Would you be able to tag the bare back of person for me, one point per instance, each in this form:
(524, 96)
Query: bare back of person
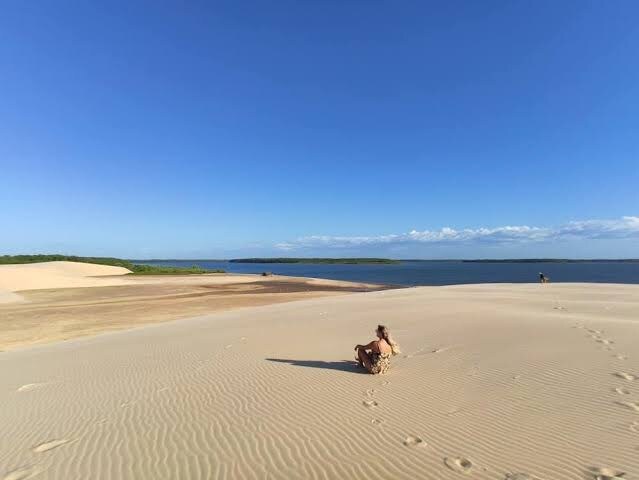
(381, 346)
(381, 349)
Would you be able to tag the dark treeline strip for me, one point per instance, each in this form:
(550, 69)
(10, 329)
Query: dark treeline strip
(315, 260)
(135, 268)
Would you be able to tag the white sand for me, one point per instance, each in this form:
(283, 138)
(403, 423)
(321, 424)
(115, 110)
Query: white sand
(495, 381)
(58, 301)
(9, 297)
(56, 275)
(34, 276)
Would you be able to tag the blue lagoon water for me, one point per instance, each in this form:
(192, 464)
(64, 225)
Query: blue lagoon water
(410, 273)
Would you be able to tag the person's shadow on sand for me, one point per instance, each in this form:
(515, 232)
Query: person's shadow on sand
(342, 365)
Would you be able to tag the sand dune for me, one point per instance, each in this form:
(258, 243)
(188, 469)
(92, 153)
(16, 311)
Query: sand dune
(31, 276)
(64, 302)
(495, 382)
(58, 275)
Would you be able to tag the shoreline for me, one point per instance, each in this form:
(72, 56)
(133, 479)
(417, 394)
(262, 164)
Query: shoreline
(66, 304)
(446, 272)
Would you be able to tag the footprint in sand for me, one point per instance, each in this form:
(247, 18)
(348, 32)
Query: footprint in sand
(30, 386)
(46, 446)
(459, 464)
(520, 476)
(412, 441)
(607, 474)
(634, 427)
(23, 473)
(622, 391)
(630, 405)
(626, 376)
(595, 332)
(230, 345)
(619, 356)
(369, 403)
(605, 341)
(377, 421)
(385, 382)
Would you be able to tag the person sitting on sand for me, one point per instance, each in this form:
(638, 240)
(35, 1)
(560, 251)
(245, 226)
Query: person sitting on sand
(375, 357)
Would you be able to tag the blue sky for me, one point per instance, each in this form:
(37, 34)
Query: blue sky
(331, 128)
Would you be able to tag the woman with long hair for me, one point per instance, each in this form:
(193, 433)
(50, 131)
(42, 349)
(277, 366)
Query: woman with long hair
(375, 357)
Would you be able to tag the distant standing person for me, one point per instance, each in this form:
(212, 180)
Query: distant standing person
(543, 278)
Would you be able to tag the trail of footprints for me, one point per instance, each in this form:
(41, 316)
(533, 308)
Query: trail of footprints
(596, 336)
(608, 473)
(458, 464)
(466, 466)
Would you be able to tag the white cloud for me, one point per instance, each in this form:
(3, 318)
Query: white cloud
(624, 227)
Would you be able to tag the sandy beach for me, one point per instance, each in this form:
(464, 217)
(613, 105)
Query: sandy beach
(53, 301)
(494, 382)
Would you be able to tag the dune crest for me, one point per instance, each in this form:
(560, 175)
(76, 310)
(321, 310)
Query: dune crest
(35, 276)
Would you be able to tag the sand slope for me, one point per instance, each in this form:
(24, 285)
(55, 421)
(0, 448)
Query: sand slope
(496, 382)
(32, 276)
(50, 315)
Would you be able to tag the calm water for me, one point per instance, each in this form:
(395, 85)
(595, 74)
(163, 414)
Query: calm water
(437, 273)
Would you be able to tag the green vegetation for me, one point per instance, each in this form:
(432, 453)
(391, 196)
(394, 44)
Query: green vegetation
(139, 269)
(316, 260)
(14, 259)
(136, 268)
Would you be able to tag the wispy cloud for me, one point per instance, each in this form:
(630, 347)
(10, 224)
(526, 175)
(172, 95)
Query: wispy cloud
(624, 227)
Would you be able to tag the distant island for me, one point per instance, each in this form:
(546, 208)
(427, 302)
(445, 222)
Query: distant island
(136, 269)
(349, 261)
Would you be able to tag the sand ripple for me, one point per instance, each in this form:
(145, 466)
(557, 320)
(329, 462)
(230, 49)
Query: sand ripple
(521, 396)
